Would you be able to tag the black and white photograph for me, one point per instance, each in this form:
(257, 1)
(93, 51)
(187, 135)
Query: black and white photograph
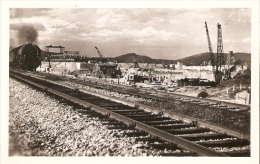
(141, 81)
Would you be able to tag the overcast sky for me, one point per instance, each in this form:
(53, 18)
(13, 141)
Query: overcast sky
(157, 33)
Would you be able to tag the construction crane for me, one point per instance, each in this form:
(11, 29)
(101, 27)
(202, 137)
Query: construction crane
(99, 53)
(96, 71)
(210, 51)
(102, 59)
(104, 68)
(220, 55)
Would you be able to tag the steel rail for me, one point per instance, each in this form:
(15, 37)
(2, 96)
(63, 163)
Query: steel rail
(171, 114)
(182, 143)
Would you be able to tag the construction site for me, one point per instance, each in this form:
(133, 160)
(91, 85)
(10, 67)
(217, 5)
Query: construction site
(175, 77)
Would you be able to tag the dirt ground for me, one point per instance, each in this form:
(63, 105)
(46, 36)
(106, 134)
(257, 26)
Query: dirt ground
(217, 93)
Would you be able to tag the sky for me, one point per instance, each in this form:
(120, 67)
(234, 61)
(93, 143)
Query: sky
(160, 33)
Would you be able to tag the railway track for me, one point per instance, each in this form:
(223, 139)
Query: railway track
(160, 131)
(165, 103)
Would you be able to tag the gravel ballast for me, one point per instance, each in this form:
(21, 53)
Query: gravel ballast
(40, 125)
(220, 117)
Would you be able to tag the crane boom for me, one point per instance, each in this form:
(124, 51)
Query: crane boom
(99, 53)
(211, 52)
(210, 47)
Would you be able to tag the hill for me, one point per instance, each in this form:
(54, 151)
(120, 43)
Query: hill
(200, 58)
(132, 58)
(196, 59)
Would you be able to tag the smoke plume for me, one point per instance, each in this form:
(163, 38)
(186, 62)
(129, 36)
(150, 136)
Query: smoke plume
(27, 34)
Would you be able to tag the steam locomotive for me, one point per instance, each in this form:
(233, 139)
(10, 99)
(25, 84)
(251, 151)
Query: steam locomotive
(27, 57)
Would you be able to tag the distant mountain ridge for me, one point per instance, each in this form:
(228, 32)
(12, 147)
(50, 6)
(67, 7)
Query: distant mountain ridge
(196, 59)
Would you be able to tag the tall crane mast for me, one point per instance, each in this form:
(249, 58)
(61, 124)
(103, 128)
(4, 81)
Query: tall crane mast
(220, 55)
(210, 51)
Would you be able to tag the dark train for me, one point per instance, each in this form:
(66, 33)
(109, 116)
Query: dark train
(27, 57)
